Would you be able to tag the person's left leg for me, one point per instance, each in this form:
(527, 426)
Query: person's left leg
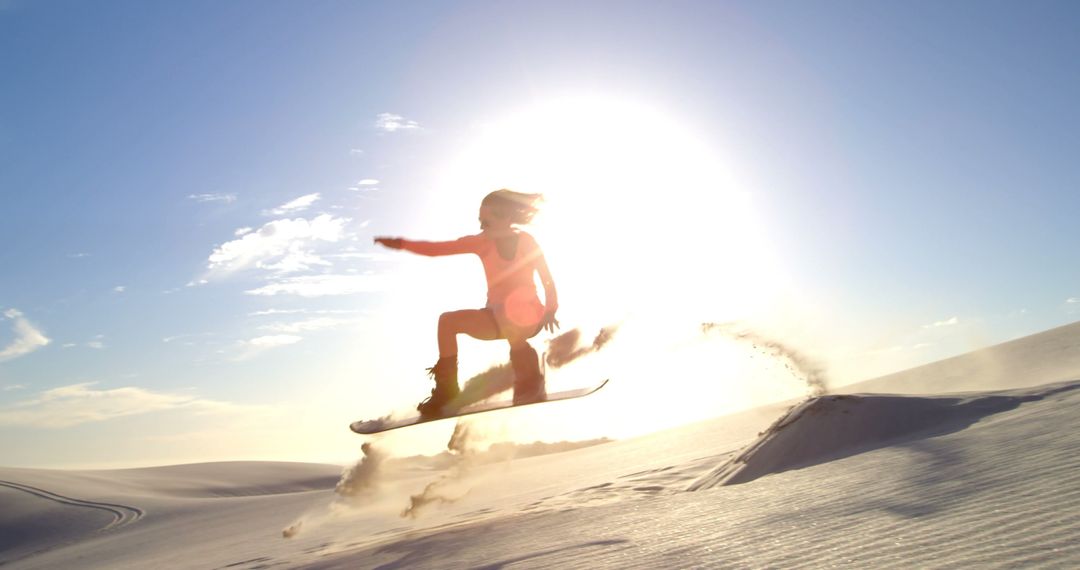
(477, 323)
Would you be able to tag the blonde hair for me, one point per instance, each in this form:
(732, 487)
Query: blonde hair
(520, 207)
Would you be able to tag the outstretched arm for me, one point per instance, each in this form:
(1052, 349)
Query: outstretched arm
(430, 248)
(551, 297)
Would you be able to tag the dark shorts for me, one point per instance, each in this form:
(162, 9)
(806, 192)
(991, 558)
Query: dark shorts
(505, 327)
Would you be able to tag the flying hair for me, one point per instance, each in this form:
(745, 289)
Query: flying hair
(520, 207)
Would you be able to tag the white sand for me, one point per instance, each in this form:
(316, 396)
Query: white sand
(979, 479)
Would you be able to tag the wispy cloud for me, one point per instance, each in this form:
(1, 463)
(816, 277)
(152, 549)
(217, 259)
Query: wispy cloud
(97, 343)
(365, 185)
(280, 245)
(277, 312)
(943, 323)
(303, 312)
(119, 289)
(13, 387)
(251, 348)
(176, 337)
(369, 256)
(78, 255)
(308, 325)
(390, 122)
(356, 151)
(1073, 300)
(81, 403)
(320, 285)
(272, 341)
(226, 198)
(296, 261)
(27, 337)
(293, 206)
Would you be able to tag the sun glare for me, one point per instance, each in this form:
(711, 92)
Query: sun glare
(642, 216)
(643, 225)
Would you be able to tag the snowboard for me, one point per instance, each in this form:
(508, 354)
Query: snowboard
(369, 427)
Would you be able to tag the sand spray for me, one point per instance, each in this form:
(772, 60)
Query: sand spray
(804, 368)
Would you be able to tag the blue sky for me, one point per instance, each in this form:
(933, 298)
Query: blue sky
(909, 167)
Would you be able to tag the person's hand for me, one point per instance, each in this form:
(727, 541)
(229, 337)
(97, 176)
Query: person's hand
(392, 243)
(549, 322)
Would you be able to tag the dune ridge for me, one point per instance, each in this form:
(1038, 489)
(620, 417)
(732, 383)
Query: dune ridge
(833, 427)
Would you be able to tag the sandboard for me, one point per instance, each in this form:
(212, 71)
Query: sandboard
(369, 427)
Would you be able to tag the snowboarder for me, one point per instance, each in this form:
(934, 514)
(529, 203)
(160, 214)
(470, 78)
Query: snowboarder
(513, 312)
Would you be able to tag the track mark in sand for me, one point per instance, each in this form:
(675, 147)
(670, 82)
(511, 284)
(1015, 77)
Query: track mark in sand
(122, 514)
(646, 472)
(249, 561)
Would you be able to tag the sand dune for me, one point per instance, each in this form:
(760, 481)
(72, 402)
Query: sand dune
(985, 478)
(1043, 358)
(1001, 492)
(35, 520)
(832, 427)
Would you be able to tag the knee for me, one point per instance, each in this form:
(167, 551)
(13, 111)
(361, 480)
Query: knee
(448, 320)
(445, 320)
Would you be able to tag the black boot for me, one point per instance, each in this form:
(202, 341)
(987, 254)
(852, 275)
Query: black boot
(446, 388)
(528, 379)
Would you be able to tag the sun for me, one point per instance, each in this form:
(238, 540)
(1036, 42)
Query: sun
(642, 216)
(644, 225)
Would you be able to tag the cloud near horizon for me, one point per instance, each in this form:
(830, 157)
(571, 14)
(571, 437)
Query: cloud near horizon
(944, 323)
(76, 404)
(27, 337)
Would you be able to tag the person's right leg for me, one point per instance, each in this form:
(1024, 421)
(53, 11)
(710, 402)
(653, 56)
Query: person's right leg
(528, 379)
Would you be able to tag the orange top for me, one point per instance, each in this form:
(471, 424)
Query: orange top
(509, 278)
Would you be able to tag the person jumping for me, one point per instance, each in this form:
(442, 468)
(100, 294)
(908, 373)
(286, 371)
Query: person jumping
(513, 312)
